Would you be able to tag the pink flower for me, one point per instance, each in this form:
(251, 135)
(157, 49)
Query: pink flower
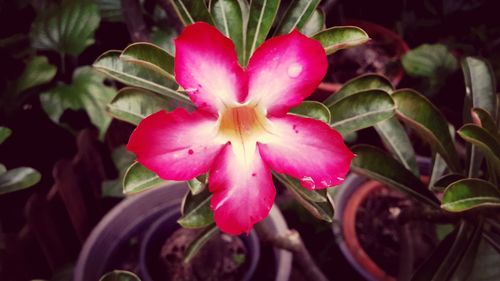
(241, 129)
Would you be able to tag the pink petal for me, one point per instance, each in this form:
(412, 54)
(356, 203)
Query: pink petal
(206, 66)
(176, 145)
(243, 191)
(285, 70)
(307, 149)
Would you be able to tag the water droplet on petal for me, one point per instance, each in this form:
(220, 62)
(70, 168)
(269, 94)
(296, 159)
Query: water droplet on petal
(191, 90)
(340, 178)
(294, 70)
(326, 183)
(308, 182)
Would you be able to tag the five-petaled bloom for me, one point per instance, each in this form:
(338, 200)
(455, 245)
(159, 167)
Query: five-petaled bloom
(241, 129)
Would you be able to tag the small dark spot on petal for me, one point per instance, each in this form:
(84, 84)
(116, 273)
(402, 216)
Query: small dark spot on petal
(254, 174)
(190, 151)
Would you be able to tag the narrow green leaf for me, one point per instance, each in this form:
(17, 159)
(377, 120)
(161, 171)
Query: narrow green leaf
(17, 179)
(438, 168)
(441, 183)
(485, 142)
(313, 109)
(485, 263)
(466, 263)
(374, 163)
(196, 186)
(199, 242)
(293, 184)
(4, 134)
(341, 37)
(67, 28)
(132, 104)
(138, 178)
(87, 91)
(421, 115)
(143, 53)
(482, 118)
(120, 275)
(396, 140)
(260, 20)
(138, 74)
(229, 20)
(315, 24)
(296, 16)
(360, 84)
(191, 11)
(196, 211)
(37, 72)
(361, 110)
(466, 194)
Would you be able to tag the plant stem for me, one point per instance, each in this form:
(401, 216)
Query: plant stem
(292, 242)
(132, 13)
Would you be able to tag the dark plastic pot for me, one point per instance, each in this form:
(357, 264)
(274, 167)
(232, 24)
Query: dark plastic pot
(135, 216)
(352, 193)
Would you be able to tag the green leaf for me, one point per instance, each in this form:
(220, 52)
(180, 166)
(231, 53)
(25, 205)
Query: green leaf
(151, 55)
(438, 168)
(110, 10)
(3, 169)
(132, 105)
(443, 182)
(374, 163)
(122, 159)
(67, 28)
(260, 20)
(486, 262)
(312, 109)
(421, 115)
(4, 134)
(485, 142)
(119, 275)
(296, 186)
(37, 72)
(396, 140)
(139, 74)
(466, 263)
(467, 194)
(482, 118)
(196, 211)
(431, 61)
(361, 110)
(86, 92)
(296, 16)
(196, 186)
(17, 179)
(341, 37)
(228, 19)
(164, 38)
(360, 84)
(198, 243)
(191, 11)
(138, 178)
(315, 24)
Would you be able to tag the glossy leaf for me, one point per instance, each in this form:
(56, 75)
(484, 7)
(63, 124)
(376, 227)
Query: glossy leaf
(120, 275)
(295, 185)
(138, 74)
(199, 242)
(132, 105)
(438, 168)
(361, 110)
(67, 28)
(152, 56)
(360, 84)
(229, 20)
(191, 11)
(37, 72)
(341, 37)
(4, 134)
(482, 118)
(313, 109)
(196, 211)
(374, 163)
(314, 24)
(443, 182)
(86, 92)
(430, 61)
(484, 141)
(17, 179)
(122, 158)
(138, 178)
(421, 115)
(466, 194)
(196, 186)
(466, 263)
(396, 140)
(260, 20)
(296, 15)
